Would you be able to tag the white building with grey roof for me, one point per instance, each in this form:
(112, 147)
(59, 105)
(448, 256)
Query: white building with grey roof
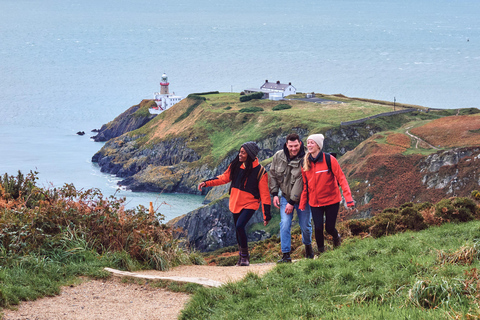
(274, 90)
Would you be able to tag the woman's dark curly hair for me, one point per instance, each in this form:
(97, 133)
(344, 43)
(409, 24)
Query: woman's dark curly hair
(235, 168)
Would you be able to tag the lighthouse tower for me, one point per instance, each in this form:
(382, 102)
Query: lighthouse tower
(164, 84)
(164, 99)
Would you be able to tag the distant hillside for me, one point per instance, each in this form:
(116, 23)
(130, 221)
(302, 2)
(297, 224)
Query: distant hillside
(419, 162)
(198, 137)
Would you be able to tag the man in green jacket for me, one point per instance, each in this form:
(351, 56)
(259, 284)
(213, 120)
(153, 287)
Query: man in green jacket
(285, 175)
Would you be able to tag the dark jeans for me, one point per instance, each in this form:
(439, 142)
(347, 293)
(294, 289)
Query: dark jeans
(331, 213)
(241, 219)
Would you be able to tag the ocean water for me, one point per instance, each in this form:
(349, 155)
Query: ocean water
(73, 65)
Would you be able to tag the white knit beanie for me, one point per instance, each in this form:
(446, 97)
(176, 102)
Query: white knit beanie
(318, 138)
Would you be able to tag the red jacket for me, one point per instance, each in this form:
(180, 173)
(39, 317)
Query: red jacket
(249, 195)
(320, 187)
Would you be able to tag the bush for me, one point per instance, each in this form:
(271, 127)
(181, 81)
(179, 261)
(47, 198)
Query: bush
(456, 210)
(384, 224)
(67, 213)
(475, 195)
(196, 96)
(359, 226)
(281, 106)
(248, 97)
(203, 93)
(423, 206)
(250, 109)
(20, 187)
(411, 219)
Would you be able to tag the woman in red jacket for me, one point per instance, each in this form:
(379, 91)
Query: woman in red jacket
(249, 186)
(320, 190)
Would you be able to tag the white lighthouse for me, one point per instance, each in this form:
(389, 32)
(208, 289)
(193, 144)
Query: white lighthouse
(163, 99)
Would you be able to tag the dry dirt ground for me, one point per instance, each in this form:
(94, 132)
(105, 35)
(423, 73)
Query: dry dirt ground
(113, 299)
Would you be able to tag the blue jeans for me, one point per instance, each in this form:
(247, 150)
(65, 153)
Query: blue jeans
(304, 220)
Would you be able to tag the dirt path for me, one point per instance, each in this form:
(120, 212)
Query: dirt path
(112, 299)
(419, 141)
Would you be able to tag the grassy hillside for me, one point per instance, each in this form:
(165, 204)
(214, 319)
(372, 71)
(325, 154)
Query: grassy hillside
(221, 123)
(432, 274)
(388, 169)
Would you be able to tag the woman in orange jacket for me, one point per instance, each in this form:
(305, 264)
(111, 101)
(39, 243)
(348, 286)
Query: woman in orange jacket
(249, 187)
(320, 189)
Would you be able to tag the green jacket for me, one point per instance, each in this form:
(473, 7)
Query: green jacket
(286, 175)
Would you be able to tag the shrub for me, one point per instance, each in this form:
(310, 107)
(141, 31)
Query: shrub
(423, 206)
(475, 195)
(456, 210)
(203, 93)
(68, 213)
(411, 219)
(281, 106)
(195, 96)
(248, 97)
(20, 187)
(359, 226)
(250, 109)
(384, 224)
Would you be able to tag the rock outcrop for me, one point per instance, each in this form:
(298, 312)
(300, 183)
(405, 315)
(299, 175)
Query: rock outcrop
(132, 119)
(211, 227)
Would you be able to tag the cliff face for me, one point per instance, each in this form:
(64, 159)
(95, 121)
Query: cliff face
(132, 119)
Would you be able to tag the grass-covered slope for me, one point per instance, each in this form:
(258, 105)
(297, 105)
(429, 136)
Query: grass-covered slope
(221, 123)
(432, 274)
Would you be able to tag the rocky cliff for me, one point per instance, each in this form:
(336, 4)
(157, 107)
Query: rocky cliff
(211, 227)
(132, 119)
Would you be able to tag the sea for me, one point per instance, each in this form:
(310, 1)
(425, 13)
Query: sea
(73, 65)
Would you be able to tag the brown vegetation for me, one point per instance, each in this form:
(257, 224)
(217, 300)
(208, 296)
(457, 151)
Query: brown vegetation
(450, 132)
(399, 139)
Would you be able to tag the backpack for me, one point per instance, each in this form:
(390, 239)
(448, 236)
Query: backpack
(328, 160)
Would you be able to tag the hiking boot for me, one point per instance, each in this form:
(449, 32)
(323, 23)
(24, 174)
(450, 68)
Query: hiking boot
(239, 257)
(321, 249)
(308, 251)
(244, 257)
(337, 241)
(286, 258)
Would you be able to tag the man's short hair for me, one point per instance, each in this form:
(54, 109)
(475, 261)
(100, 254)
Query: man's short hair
(293, 137)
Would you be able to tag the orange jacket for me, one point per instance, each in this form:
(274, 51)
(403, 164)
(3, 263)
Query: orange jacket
(249, 195)
(320, 187)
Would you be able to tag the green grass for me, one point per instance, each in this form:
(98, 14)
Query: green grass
(34, 276)
(391, 277)
(218, 127)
